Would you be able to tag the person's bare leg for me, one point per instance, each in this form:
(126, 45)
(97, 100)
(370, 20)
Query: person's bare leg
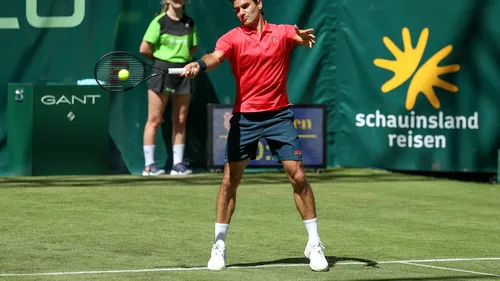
(226, 198)
(305, 203)
(225, 205)
(180, 108)
(303, 194)
(156, 107)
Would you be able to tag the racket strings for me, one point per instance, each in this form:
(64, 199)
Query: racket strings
(110, 66)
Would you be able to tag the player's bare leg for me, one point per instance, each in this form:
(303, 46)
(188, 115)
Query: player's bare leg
(226, 198)
(305, 203)
(303, 194)
(180, 107)
(156, 107)
(225, 205)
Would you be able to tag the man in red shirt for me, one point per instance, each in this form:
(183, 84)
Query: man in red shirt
(259, 53)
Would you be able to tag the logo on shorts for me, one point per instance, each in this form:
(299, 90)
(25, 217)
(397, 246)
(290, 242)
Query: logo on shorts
(167, 89)
(298, 152)
(275, 40)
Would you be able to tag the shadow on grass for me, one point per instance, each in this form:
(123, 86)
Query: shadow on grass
(332, 260)
(329, 176)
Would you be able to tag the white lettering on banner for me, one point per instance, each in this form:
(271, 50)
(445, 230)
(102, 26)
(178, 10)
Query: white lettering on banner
(413, 121)
(53, 100)
(47, 21)
(9, 23)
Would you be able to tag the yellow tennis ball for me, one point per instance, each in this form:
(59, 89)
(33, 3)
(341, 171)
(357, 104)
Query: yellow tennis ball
(123, 74)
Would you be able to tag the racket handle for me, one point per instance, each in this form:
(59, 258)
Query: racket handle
(176, 70)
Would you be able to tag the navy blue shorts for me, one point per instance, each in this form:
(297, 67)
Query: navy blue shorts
(276, 127)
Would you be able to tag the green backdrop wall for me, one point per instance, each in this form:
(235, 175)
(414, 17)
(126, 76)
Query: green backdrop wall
(412, 121)
(53, 40)
(418, 87)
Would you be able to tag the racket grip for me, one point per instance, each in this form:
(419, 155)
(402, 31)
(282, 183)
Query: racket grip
(176, 70)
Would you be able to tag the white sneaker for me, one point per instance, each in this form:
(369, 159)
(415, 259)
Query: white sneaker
(316, 256)
(218, 258)
(180, 169)
(152, 170)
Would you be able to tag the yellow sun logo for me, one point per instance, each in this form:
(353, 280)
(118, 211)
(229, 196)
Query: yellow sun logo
(406, 63)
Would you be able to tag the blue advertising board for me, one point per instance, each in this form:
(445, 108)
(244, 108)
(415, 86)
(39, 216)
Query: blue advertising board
(310, 121)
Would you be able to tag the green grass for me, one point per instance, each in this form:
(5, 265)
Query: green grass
(72, 224)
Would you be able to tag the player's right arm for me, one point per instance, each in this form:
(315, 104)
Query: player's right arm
(223, 49)
(211, 61)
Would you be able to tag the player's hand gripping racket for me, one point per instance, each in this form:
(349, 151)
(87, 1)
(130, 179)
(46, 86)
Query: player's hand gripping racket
(122, 71)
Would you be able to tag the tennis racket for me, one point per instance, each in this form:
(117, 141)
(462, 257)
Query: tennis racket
(108, 68)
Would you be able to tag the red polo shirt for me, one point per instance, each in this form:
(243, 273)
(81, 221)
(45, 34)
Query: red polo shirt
(260, 65)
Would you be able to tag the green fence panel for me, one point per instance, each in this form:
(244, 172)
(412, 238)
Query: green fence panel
(60, 41)
(419, 87)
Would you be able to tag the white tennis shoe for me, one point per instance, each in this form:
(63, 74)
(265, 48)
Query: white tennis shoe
(316, 255)
(218, 258)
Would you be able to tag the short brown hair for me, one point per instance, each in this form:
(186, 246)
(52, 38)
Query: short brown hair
(255, 1)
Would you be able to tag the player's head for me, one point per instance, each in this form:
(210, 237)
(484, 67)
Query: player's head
(248, 11)
(176, 4)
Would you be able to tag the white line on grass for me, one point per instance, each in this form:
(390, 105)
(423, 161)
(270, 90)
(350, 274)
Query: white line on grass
(452, 269)
(246, 267)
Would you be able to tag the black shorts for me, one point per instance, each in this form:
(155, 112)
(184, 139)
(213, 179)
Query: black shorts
(169, 84)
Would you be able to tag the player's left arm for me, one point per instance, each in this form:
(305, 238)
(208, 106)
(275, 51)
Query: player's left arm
(304, 37)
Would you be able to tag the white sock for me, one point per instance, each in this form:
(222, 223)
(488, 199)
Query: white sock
(312, 230)
(178, 153)
(220, 233)
(149, 154)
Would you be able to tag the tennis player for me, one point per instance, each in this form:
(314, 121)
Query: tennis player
(259, 55)
(170, 41)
